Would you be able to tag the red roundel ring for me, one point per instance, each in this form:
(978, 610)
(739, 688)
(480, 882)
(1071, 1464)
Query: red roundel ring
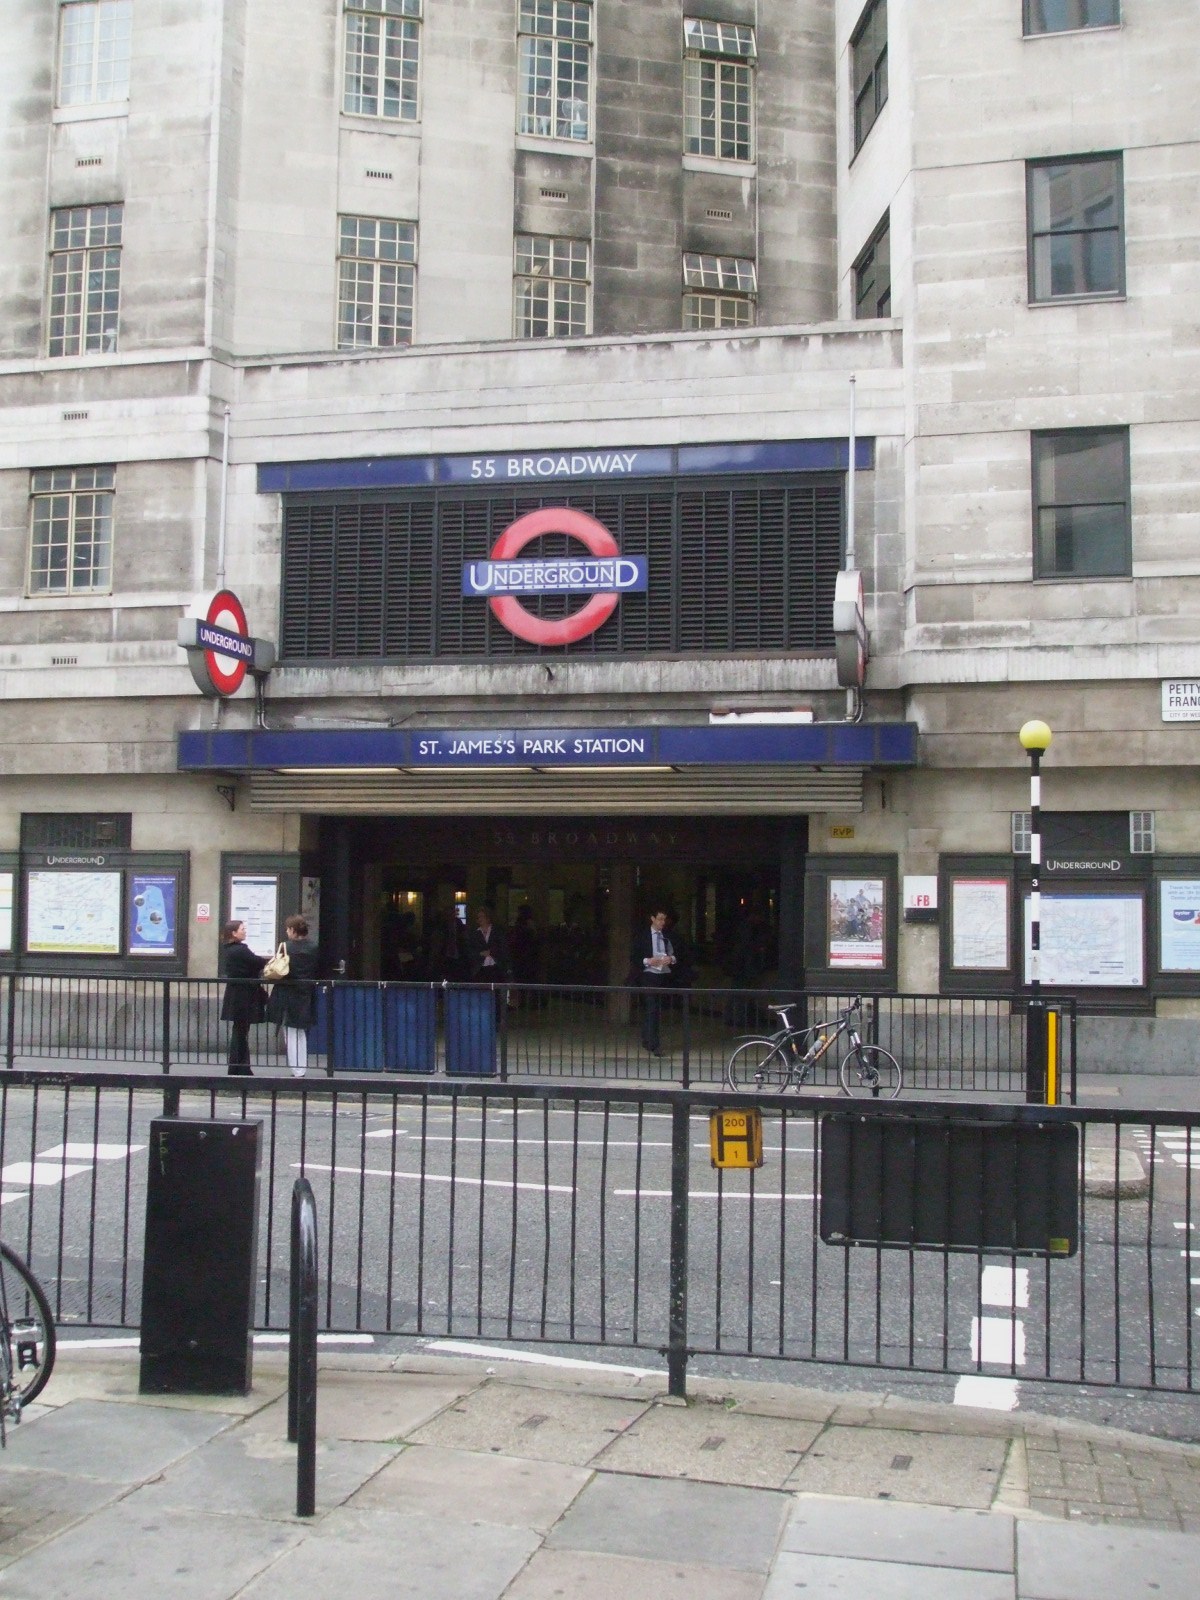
(226, 672)
(509, 610)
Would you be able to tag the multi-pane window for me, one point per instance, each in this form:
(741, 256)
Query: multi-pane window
(873, 275)
(718, 89)
(554, 40)
(719, 291)
(85, 279)
(70, 544)
(1063, 16)
(1141, 833)
(93, 52)
(551, 282)
(377, 274)
(383, 42)
(1075, 228)
(869, 68)
(1081, 503)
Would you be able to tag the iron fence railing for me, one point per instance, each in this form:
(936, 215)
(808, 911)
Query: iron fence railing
(568, 1215)
(945, 1043)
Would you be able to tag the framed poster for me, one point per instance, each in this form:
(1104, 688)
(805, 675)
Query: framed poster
(979, 914)
(7, 880)
(153, 902)
(73, 913)
(1090, 941)
(856, 922)
(1179, 924)
(254, 900)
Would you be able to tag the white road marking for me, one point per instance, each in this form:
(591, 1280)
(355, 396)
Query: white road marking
(488, 1352)
(710, 1194)
(1004, 1286)
(81, 1150)
(998, 1340)
(992, 1394)
(39, 1172)
(437, 1177)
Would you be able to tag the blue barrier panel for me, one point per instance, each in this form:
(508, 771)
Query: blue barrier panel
(357, 1028)
(470, 1033)
(410, 1029)
(318, 1034)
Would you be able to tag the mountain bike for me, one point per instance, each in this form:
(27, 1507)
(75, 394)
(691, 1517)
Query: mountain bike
(28, 1343)
(785, 1059)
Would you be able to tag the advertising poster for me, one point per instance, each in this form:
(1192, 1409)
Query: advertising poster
(979, 923)
(1089, 941)
(255, 901)
(1179, 924)
(152, 903)
(74, 913)
(6, 911)
(856, 922)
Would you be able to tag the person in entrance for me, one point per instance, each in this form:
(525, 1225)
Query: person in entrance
(487, 949)
(652, 963)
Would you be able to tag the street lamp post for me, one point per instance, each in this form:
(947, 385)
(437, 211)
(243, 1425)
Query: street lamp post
(1035, 738)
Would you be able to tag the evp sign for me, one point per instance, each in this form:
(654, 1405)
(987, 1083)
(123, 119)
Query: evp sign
(603, 572)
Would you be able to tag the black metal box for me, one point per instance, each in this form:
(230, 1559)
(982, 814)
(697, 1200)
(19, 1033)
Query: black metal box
(954, 1183)
(201, 1256)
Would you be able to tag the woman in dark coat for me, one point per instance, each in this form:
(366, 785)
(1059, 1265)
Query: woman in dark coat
(242, 1003)
(293, 1002)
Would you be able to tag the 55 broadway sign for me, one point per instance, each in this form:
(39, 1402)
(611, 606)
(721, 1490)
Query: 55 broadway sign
(600, 571)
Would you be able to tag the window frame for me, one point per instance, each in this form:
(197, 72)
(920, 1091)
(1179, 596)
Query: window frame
(562, 250)
(1033, 234)
(1031, 31)
(729, 52)
(405, 293)
(117, 61)
(72, 265)
(554, 60)
(868, 80)
(1042, 438)
(726, 285)
(43, 491)
(868, 256)
(407, 15)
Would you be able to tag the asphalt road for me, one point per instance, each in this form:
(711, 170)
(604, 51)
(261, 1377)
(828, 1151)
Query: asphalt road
(546, 1230)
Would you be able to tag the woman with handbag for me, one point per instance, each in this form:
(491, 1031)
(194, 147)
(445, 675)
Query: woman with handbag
(293, 1002)
(244, 1001)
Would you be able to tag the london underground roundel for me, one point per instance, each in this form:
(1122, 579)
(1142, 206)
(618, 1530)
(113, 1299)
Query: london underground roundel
(566, 630)
(225, 611)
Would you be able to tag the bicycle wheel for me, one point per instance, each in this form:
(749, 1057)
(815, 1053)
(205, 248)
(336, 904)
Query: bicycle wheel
(869, 1069)
(758, 1067)
(29, 1324)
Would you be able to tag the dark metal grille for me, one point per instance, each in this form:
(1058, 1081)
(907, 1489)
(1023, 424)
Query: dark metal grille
(76, 830)
(745, 567)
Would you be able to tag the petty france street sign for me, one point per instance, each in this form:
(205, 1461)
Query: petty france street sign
(219, 647)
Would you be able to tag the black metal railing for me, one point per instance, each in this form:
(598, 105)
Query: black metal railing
(946, 1044)
(567, 1215)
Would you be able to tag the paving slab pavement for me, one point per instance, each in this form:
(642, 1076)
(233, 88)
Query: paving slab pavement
(440, 1478)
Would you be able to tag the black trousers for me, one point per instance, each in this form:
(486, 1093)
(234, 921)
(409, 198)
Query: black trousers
(239, 1048)
(652, 991)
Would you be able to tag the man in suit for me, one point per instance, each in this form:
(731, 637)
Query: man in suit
(487, 949)
(652, 960)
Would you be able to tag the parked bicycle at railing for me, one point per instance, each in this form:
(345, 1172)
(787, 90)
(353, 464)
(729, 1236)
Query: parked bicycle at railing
(771, 1063)
(27, 1341)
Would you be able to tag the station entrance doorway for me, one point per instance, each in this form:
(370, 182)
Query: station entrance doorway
(571, 891)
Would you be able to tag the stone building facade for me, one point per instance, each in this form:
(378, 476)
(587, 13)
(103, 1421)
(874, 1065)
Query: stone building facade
(311, 303)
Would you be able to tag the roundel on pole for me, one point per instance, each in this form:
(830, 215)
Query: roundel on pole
(226, 673)
(567, 630)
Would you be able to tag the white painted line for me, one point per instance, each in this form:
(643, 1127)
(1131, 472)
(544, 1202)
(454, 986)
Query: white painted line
(489, 1352)
(97, 1344)
(438, 1177)
(322, 1338)
(710, 1194)
(1004, 1286)
(474, 1138)
(38, 1172)
(13, 1194)
(80, 1150)
(998, 1340)
(990, 1394)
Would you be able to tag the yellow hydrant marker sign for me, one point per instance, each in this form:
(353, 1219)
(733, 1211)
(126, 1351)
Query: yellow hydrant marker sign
(735, 1138)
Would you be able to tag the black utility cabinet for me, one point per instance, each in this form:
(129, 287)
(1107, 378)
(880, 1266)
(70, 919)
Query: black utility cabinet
(201, 1256)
